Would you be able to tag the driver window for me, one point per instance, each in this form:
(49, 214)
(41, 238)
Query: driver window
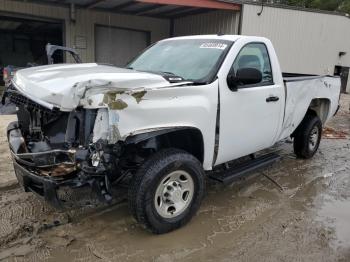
(255, 56)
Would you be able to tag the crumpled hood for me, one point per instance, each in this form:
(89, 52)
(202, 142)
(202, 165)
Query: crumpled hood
(64, 85)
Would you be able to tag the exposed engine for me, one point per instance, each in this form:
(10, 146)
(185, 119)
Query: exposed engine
(70, 149)
(46, 130)
(59, 145)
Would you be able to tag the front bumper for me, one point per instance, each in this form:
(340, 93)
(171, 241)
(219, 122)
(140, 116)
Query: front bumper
(45, 172)
(44, 187)
(26, 166)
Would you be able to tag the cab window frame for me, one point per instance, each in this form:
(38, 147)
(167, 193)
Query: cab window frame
(269, 59)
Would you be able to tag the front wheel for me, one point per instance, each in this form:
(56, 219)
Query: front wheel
(167, 190)
(308, 136)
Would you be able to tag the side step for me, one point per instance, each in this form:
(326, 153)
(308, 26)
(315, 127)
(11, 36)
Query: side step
(244, 168)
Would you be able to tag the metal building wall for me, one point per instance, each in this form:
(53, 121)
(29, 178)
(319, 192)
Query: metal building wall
(213, 22)
(87, 19)
(306, 42)
(118, 46)
(84, 25)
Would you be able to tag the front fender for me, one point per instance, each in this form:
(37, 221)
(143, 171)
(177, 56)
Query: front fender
(162, 110)
(144, 135)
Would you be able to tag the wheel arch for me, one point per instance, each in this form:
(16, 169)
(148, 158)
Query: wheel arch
(189, 139)
(320, 107)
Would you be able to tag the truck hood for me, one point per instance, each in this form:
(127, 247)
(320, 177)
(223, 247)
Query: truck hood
(65, 85)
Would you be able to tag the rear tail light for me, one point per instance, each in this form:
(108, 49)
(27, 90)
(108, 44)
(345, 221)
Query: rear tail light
(5, 74)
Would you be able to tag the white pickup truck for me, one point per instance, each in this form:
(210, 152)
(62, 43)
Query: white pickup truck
(183, 109)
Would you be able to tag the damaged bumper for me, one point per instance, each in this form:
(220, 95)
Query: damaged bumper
(51, 159)
(44, 187)
(45, 172)
(32, 169)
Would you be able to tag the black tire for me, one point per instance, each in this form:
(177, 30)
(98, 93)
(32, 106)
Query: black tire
(303, 134)
(146, 181)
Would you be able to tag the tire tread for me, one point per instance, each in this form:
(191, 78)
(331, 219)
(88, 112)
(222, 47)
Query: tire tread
(147, 172)
(301, 136)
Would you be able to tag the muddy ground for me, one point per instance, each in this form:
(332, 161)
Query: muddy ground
(252, 220)
(7, 176)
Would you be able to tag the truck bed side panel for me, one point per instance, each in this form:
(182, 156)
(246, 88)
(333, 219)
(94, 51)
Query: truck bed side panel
(299, 94)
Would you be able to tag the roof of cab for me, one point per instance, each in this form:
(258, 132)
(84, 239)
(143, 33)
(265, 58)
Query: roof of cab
(232, 38)
(218, 37)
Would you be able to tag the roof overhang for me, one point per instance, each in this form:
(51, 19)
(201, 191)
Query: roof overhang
(168, 9)
(195, 3)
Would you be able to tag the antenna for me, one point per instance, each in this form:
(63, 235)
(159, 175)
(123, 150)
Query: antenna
(262, 8)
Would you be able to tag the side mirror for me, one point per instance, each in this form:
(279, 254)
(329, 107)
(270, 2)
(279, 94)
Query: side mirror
(244, 76)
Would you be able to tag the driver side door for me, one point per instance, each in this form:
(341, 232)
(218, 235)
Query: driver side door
(250, 113)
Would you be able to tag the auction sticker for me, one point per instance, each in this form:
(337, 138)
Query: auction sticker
(213, 45)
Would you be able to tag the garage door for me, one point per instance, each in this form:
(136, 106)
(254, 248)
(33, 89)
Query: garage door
(23, 41)
(118, 46)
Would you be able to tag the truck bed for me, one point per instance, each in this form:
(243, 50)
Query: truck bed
(292, 77)
(300, 91)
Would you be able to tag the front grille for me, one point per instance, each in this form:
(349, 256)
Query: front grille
(20, 100)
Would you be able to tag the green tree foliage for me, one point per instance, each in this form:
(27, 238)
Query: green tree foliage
(329, 5)
(345, 6)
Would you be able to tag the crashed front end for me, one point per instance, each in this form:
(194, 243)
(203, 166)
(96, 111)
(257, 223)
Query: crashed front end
(51, 149)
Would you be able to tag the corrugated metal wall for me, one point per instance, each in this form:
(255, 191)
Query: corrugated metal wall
(214, 22)
(121, 43)
(87, 19)
(306, 42)
(84, 26)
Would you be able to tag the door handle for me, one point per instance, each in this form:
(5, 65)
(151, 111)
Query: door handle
(272, 99)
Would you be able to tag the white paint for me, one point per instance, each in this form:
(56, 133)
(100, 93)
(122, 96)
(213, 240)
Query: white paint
(300, 95)
(247, 122)
(178, 106)
(101, 125)
(64, 85)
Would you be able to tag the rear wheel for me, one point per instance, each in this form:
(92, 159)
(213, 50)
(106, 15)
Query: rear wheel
(167, 190)
(307, 137)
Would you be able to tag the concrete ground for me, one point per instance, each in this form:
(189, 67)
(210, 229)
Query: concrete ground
(252, 220)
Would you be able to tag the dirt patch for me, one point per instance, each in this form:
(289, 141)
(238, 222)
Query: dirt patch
(331, 133)
(251, 220)
(7, 177)
(7, 109)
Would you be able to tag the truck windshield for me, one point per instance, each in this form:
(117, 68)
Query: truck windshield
(194, 60)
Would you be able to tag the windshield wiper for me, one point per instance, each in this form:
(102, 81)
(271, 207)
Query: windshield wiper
(168, 73)
(198, 83)
(169, 76)
(175, 78)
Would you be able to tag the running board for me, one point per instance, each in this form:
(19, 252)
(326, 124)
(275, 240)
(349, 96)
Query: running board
(243, 169)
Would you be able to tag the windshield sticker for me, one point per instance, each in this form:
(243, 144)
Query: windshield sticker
(213, 45)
